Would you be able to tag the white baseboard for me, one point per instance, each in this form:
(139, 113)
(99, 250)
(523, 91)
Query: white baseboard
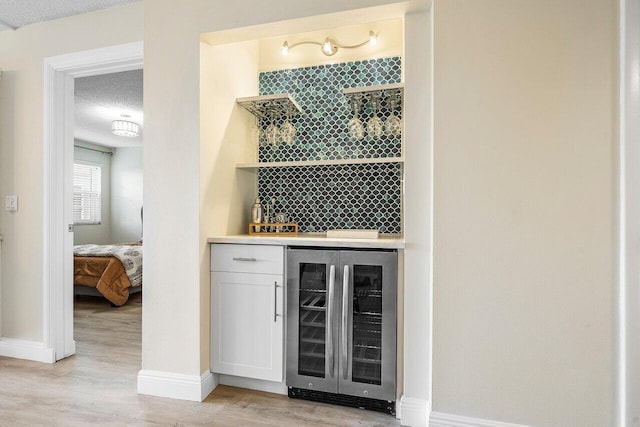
(440, 419)
(28, 350)
(414, 412)
(176, 386)
(250, 383)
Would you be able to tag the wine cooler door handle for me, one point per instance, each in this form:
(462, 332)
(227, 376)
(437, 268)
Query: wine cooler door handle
(329, 304)
(345, 310)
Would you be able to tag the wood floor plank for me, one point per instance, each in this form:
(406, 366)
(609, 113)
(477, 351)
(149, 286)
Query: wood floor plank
(97, 386)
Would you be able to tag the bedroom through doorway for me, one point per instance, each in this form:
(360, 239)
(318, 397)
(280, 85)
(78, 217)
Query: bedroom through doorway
(107, 211)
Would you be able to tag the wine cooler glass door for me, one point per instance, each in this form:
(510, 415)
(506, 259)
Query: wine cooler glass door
(368, 325)
(312, 319)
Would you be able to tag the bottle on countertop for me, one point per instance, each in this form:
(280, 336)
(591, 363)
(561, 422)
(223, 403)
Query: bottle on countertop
(256, 214)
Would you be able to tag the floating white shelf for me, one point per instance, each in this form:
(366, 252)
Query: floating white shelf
(371, 96)
(386, 89)
(266, 106)
(320, 162)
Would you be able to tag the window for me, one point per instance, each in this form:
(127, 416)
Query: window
(86, 193)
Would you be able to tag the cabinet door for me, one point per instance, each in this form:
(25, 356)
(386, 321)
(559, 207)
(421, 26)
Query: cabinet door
(247, 326)
(368, 324)
(312, 319)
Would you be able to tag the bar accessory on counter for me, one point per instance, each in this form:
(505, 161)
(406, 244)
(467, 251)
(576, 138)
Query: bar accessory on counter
(256, 214)
(271, 222)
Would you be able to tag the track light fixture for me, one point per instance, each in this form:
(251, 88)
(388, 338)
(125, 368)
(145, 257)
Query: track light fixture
(330, 46)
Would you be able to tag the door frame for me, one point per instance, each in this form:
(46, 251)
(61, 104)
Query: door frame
(627, 302)
(58, 126)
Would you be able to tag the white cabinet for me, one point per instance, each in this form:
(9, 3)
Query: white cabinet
(247, 311)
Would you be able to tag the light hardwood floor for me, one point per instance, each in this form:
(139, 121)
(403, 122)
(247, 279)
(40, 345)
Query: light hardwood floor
(97, 386)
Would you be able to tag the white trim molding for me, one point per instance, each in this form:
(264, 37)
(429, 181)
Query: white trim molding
(58, 124)
(28, 350)
(440, 419)
(414, 412)
(627, 354)
(176, 386)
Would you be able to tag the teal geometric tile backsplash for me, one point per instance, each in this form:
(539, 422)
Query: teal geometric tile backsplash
(322, 126)
(320, 198)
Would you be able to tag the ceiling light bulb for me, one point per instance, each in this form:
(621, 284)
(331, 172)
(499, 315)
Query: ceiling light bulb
(329, 47)
(326, 47)
(285, 49)
(373, 38)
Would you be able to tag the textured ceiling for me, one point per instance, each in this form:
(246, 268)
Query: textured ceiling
(18, 13)
(101, 99)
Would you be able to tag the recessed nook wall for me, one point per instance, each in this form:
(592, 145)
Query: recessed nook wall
(230, 25)
(227, 72)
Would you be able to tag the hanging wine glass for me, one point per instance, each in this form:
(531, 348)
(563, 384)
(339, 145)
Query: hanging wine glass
(259, 129)
(272, 133)
(374, 124)
(393, 125)
(288, 130)
(262, 140)
(355, 126)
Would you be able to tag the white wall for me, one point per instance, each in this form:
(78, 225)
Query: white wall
(95, 233)
(126, 195)
(228, 72)
(21, 147)
(524, 137)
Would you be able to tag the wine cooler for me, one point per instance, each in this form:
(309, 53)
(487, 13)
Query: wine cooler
(341, 327)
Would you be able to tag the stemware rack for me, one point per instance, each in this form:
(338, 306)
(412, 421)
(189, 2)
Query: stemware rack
(364, 95)
(270, 106)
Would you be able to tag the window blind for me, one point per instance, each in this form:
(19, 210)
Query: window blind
(86, 194)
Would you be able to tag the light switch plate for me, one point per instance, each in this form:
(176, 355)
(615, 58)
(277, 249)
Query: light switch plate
(11, 203)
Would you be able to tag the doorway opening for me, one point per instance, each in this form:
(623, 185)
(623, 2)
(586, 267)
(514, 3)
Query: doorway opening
(107, 210)
(58, 237)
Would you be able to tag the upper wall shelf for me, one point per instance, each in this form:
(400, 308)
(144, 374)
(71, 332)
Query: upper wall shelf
(390, 91)
(270, 106)
(320, 162)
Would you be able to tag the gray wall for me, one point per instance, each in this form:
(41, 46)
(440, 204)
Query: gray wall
(126, 195)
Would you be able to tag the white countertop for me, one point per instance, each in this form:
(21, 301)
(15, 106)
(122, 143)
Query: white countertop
(312, 239)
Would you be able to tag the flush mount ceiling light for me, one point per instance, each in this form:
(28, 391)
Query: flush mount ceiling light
(125, 128)
(330, 46)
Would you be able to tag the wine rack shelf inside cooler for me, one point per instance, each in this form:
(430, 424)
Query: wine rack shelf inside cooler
(314, 319)
(312, 339)
(313, 335)
(367, 344)
(315, 301)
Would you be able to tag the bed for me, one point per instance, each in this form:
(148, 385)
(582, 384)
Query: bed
(113, 271)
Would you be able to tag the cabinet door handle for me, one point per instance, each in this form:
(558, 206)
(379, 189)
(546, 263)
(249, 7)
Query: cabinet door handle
(345, 310)
(275, 301)
(329, 304)
(244, 259)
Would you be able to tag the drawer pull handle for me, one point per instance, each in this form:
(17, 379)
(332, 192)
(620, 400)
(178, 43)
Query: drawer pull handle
(244, 259)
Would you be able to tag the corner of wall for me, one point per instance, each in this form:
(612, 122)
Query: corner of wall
(176, 386)
(27, 350)
(414, 412)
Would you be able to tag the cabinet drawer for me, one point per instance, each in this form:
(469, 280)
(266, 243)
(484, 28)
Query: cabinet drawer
(247, 258)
